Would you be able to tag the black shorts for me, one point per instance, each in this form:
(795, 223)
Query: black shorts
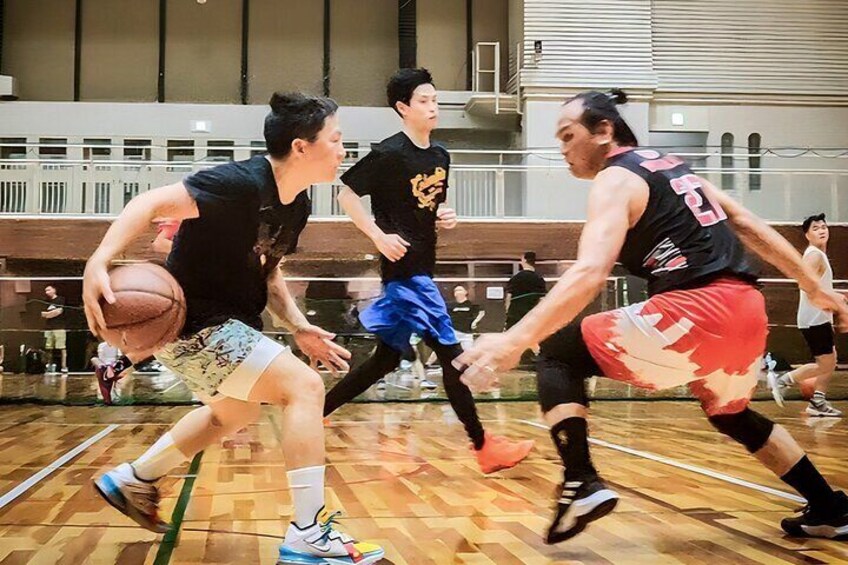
(819, 339)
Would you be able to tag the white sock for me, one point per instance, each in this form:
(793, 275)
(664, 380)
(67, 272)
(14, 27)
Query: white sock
(307, 492)
(159, 459)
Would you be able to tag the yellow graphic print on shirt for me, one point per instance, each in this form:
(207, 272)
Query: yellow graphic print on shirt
(427, 188)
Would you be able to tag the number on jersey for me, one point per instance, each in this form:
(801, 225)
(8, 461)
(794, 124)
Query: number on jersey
(706, 211)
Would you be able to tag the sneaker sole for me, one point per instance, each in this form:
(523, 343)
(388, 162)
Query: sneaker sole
(819, 414)
(297, 558)
(105, 487)
(828, 532)
(606, 500)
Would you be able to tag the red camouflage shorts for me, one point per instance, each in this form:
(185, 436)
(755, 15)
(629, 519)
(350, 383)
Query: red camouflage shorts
(711, 338)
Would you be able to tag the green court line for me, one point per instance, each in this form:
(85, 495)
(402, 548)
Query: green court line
(166, 548)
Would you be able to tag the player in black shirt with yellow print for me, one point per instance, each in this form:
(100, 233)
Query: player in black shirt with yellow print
(406, 177)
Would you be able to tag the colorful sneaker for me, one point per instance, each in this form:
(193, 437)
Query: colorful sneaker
(322, 544)
(823, 409)
(105, 384)
(580, 503)
(132, 497)
(818, 525)
(499, 453)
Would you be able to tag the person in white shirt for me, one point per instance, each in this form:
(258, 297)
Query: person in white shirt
(816, 326)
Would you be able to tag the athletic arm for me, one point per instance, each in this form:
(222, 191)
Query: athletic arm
(352, 205)
(763, 240)
(607, 222)
(162, 244)
(392, 246)
(50, 314)
(283, 305)
(315, 342)
(770, 246)
(172, 201)
(608, 219)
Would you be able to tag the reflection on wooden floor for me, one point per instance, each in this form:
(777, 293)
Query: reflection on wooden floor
(404, 478)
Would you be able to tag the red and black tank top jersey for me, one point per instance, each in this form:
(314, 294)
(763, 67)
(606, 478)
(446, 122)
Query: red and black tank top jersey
(683, 239)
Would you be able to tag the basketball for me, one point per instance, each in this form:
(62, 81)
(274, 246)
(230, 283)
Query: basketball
(807, 388)
(149, 310)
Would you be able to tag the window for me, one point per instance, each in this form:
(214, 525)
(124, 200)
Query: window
(9, 150)
(90, 153)
(137, 149)
(258, 148)
(219, 151)
(755, 176)
(728, 178)
(181, 151)
(351, 151)
(52, 148)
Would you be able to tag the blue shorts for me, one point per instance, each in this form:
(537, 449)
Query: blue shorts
(409, 306)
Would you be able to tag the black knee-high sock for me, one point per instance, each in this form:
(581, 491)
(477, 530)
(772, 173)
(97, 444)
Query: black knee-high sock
(381, 363)
(571, 439)
(458, 394)
(806, 479)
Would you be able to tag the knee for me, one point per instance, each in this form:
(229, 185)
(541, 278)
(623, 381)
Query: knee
(560, 383)
(310, 386)
(564, 411)
(746, 427)
(827, 363)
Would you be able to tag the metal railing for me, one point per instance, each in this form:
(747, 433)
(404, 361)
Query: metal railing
(495, 72)
(529, 183)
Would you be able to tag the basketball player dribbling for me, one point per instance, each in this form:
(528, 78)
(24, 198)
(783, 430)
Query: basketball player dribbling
(238, 221)
(704, 324)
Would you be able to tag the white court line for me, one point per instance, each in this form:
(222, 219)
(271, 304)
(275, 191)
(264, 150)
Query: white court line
(685, 466)
(30, 482)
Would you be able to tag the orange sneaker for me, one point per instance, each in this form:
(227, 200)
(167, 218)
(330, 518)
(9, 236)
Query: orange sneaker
(500, 452)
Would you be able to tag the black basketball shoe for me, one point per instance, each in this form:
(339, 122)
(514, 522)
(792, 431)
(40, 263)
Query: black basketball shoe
(580, 502)
(818, 524)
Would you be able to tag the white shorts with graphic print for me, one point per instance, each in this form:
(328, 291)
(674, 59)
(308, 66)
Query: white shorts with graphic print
(225, 359)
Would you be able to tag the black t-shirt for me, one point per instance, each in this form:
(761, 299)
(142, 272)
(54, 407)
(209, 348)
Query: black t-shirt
(683, 239)
(526, 288)
(406, 184)
(526, 282)
(462, 314)
(52, 304)
(223, 258)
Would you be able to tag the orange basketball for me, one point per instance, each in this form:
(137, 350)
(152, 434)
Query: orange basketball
(807, 388)
(149, 310)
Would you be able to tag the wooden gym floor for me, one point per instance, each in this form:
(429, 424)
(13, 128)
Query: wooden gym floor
(404, 478)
